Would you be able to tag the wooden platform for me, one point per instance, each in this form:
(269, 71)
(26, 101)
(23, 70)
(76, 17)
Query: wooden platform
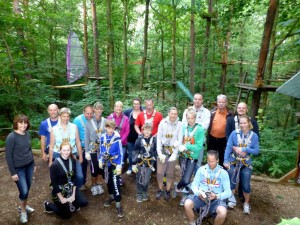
(68, 86)
(97, 78)
(252, 87)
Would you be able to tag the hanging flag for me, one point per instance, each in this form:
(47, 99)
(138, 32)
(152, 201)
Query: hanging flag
(76, 64)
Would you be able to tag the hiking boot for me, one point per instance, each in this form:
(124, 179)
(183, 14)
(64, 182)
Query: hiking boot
(145, 196)
(139, 198)
(159, 194)
(120, 212)
(23, 217)
(94, 190)
(28, 209)
(246, 208)
(99, 189)
(167, 195)
(176, 188)
(231, 201)
(182, 201)
(47, 210)
(108, 202)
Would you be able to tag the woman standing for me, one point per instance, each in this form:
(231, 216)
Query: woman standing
(66, 131)
(20, 162)
(67, 198)
(237, 160)
(132, 114)
(193, 138)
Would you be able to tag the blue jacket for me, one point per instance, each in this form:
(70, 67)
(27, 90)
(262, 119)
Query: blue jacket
(251, 148)
(221, 187)
(115, 150)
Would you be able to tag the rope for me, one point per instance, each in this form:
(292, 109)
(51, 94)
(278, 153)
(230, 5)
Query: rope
(183, 166)
(142, 179)
(106, 174)
(203, 212)
(236, 173)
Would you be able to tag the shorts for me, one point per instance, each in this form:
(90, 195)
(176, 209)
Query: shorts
(199, 203)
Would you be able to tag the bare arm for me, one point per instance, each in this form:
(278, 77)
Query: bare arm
(43, 148)
(78, 145)
(51, 146)
(137, 129)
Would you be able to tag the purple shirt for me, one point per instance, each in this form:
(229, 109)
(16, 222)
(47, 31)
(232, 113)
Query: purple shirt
(125, 127)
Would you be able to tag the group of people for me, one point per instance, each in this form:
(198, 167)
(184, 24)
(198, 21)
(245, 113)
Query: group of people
(151, 143)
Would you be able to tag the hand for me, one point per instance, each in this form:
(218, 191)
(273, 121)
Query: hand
(63, 200)
(202, 195)
(162, 158)
(50, 163)
(242, 154)
(34, 169)
(134, 169)
(172, 158)
(212, 196)
(237, 150)
(44, 157)
(87, 156)
(226, 165)
(100, 164)
(182, 148)
(118, 170)
(15, 177)
(72, 198)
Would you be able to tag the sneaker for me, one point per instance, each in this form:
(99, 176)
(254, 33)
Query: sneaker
(129, 172)
(231, 201)
(99, 189)
(182, 201)
(167, 195)
(94, 190)
(246, 208)
(46, 207)
(176, 188)
(145, 196)
(83, 188)
(159, 194)
(139, 198)
(120, 212)
(108, 202)
(28, 209)
(23, 217)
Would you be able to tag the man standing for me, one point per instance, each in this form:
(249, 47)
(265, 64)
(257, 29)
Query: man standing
(211, 188)
(45, 128)
(202, 118)
(233, 121)
(150, 115)
(216, 131)
(80, 122)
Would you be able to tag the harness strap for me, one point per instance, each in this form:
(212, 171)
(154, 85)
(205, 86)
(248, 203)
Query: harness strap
(97, 129)
(49, 125)
(121, 123)
(82, 122)
(151, 119)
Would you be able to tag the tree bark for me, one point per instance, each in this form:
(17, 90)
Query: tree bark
(192, 37)
(259, 81)
(145, 45)
(162, 61)
(125, 54)
(95, 39)
(174, 31)
(86, 50)
(206, 44)
(110, 55)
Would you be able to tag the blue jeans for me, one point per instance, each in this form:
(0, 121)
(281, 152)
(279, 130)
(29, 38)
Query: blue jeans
(124, 153)
(130, 147)
(79, 173)
(245, 178)
(25, 175)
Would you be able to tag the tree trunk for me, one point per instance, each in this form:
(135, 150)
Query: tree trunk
(162, 61)
(110, 55)
(95, 39)
(225, 62)
(145, 45)
(206, 44)
(86, 51)
(259, 81)
(174, 31)
(192, 37)
(125, 54)
(21, 34)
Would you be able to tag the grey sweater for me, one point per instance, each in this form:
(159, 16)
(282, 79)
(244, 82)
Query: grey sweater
(18, 151)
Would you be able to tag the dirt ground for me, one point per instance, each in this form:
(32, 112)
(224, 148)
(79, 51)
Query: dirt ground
(269, 202)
